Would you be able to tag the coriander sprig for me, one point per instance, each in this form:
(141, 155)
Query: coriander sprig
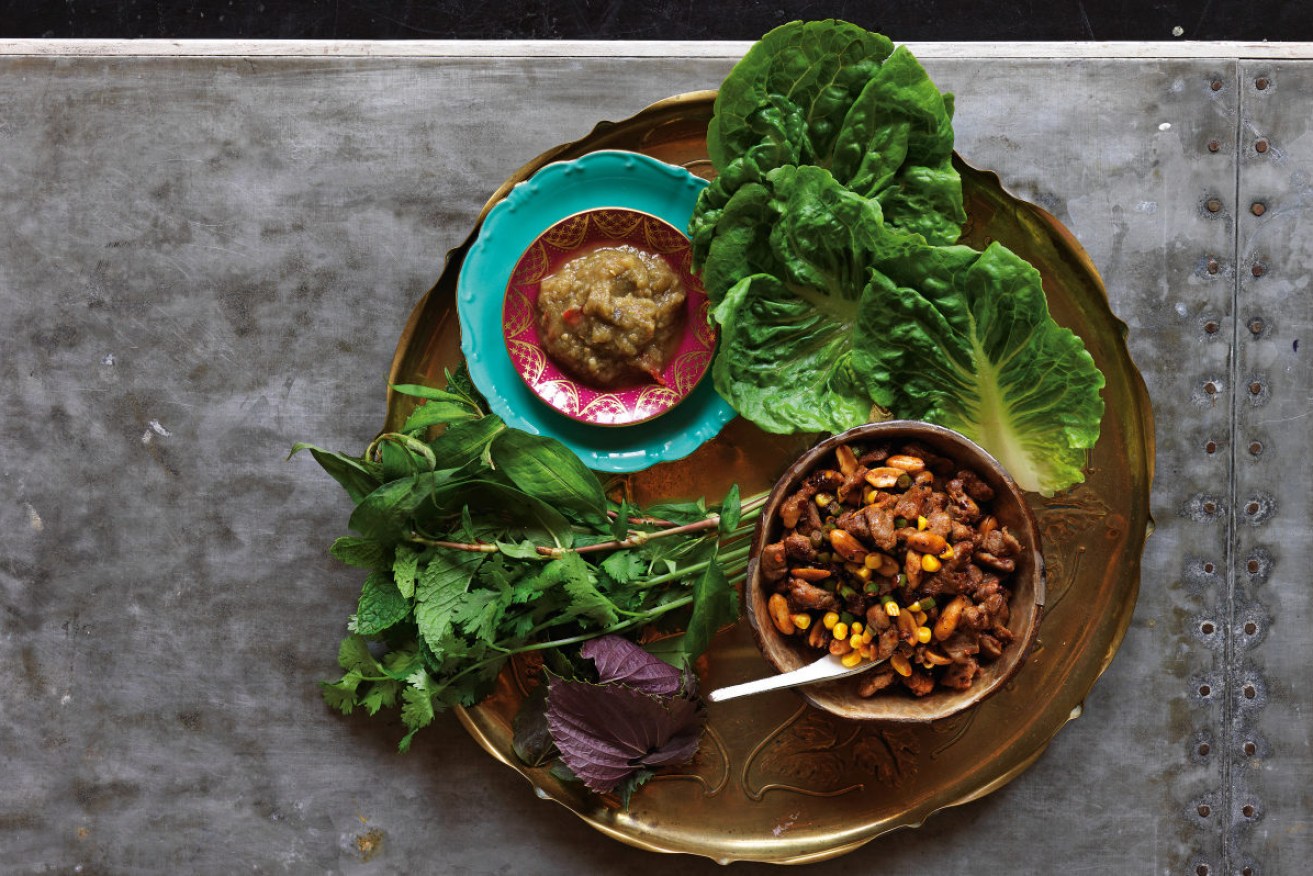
(487, 542)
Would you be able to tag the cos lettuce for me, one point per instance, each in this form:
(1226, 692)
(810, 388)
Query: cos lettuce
(824, 244)
(835, 96)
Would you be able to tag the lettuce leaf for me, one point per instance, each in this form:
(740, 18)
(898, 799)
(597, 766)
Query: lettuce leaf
(832, 95)
(968, 342)
(825, 246)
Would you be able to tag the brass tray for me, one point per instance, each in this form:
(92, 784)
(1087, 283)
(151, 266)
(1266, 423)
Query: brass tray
(776, 780)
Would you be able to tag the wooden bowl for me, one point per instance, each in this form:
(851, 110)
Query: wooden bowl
(840, 697)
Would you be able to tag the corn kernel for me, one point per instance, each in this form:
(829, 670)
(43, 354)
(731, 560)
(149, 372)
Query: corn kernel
(863, 574)
(872, 561)
(918, 616)
(840, 630)
(868, 652)
(855, 641)
(869, 498)
(891, 608)
(823, 499)
(802, 620)
(922, 523)
(930, 564)
(830, 619)
(947, 553)
(851, 659)
(901, 665)
(867, 637)
(923, 635)
(855, 627)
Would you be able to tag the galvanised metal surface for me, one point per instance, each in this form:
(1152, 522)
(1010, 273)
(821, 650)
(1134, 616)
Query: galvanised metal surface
(204, 260)
(1267, 816)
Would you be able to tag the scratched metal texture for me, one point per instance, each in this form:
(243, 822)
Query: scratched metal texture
(203, 261)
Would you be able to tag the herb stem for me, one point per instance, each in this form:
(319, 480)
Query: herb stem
(574, 640)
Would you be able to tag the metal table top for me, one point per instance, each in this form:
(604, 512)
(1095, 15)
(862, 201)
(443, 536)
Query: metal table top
(208, 251)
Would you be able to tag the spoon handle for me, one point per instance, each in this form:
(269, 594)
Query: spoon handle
(827, 668)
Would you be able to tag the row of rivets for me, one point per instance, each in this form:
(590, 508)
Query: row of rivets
(1255, 509)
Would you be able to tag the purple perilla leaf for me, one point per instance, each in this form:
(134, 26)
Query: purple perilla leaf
(606, 732)
(620, 660)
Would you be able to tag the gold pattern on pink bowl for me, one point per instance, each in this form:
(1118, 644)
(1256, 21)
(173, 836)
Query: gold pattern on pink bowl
(626, 405)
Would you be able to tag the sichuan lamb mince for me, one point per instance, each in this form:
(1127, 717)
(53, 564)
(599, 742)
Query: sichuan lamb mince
(893, 553)
(610, 316)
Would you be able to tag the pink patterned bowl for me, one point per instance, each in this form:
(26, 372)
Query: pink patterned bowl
(623, 405)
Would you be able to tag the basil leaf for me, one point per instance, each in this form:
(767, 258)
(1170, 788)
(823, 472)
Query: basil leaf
(385, 514)
(463, 443)
(435, 413)
(715, 604)
(547, 470)
(731, 511)
(358, 477)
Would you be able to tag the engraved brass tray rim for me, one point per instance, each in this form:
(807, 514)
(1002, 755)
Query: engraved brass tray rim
(1138, 422)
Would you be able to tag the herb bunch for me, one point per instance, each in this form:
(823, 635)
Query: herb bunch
(487, 542)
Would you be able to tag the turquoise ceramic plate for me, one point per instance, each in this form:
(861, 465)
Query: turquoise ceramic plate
(599, 179)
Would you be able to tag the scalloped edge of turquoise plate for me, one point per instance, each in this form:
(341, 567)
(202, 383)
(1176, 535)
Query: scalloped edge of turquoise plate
(607, 178)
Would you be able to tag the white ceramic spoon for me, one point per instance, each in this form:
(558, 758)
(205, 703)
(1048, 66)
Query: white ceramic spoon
(827, 668)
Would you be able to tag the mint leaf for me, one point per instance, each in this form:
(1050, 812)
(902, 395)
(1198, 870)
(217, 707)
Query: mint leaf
(381, 605)
(363, 553)
(439, 588)
(404, 568)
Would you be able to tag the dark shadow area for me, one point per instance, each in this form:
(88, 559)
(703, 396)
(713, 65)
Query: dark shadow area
(912, 20)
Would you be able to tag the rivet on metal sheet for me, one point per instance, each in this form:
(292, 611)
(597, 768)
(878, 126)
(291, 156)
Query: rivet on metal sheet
(1216, 85)
(1211, 327)
(1255, 388)
(1214, 145)
(1247, 871)
(1214, 266)
(1204, 749)
(1204, 810)
(1256, 326)
(1248, 810)
(1210, 447)
(1258, 208)
(1214, 205)
(1253, 566)
(1209, 568)
(1207, 628)
(1211, 387)
(1251, 509)
(1251, 628)
(1250, 748)
(1205, 690)
(1255, 448)
(1259, 269)
(1260, 146)
(1201, 870)
(1250, 692)
(1261, 83)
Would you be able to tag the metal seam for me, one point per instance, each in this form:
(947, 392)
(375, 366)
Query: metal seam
(1225, 731)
